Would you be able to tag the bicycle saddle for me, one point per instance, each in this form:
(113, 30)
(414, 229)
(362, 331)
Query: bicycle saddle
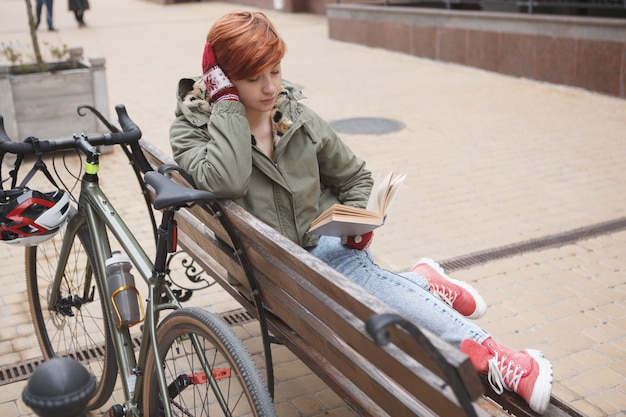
(171, 194)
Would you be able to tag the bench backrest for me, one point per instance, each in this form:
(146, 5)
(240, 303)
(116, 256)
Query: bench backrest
(320, 315)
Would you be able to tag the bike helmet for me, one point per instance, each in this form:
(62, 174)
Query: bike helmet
(29, 217)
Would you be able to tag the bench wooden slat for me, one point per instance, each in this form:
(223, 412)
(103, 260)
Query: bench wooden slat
(518, 407)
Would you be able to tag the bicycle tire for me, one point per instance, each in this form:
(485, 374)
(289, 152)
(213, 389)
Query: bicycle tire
(238, 378)
(75, 327)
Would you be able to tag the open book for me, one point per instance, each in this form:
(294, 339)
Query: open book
(342, 220)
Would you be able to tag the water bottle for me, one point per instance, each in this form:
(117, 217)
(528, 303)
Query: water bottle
(124, 295)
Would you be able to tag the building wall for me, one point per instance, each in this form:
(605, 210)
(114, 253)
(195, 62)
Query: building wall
(290, 6)
(582, 52)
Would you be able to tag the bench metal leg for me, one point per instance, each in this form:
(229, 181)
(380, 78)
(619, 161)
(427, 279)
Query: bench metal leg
(258, 302)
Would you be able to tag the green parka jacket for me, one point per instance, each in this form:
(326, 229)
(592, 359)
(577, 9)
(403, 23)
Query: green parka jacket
(311, 170)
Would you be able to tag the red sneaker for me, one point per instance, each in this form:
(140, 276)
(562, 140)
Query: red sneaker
(457, 294)
(527, 373)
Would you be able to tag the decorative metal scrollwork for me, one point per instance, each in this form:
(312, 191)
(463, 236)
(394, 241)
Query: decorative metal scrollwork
(192, 272)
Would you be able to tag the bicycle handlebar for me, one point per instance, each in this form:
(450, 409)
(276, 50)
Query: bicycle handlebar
(130, 135)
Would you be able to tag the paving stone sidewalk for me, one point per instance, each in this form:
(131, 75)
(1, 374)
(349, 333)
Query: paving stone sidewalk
(491, 161)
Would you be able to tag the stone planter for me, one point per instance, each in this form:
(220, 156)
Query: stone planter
(44, 104)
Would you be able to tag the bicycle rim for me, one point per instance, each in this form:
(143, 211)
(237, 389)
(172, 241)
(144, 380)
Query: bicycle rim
(75, 326)
(237, 380)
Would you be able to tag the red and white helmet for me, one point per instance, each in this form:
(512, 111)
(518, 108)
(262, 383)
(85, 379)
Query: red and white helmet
(29, 217)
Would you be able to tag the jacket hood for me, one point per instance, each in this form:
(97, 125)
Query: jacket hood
(194, 103)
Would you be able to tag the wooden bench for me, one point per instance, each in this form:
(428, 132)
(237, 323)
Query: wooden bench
(321, 316)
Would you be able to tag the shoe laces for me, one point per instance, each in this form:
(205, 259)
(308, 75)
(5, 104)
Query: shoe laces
(447, 294)
(504, 374)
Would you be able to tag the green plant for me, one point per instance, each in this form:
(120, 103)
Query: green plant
(11, 53)
(16, 54)
(59, 53)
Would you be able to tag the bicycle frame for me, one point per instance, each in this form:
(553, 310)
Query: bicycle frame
(98, 213)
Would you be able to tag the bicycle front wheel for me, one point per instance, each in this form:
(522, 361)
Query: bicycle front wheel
(74, 326)
(229, 384)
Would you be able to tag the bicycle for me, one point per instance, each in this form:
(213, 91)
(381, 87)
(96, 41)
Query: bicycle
(190, 357)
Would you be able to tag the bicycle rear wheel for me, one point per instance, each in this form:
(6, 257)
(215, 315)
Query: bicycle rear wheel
(75, 325)
(237, 380)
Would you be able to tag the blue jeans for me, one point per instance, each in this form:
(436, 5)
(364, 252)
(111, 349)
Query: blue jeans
(48, 4)
(406, 292)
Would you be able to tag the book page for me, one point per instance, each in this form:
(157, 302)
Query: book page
(380, 183)
(391, 192)
(384, 192)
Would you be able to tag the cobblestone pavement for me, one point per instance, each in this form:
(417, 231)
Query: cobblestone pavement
(491, 161)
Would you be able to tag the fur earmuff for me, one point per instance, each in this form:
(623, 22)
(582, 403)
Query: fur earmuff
(197, 97)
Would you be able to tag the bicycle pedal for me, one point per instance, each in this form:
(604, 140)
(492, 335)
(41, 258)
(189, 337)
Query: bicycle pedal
(198, 378)
(221, 373)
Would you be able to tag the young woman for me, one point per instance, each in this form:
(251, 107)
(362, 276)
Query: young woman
(242, 133)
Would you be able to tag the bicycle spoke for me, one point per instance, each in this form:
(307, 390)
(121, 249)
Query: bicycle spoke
(74, 326)
(208, 370)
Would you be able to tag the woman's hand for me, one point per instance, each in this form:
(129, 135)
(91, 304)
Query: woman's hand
(359, 242)
(217, 83)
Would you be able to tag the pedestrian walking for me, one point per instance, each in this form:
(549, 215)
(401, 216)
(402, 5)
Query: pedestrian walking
(48, 4)
(79, 7)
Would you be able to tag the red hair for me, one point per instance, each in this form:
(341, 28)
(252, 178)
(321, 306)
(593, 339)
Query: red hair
(245, 44)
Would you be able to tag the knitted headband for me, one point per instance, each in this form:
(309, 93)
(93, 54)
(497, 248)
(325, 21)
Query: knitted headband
(207, 58)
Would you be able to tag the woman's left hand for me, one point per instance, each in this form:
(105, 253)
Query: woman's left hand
(359, 242)
(220, 87)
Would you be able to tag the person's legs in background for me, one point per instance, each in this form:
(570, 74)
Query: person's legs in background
(38, 13)
(80, 17)
(48, 4)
